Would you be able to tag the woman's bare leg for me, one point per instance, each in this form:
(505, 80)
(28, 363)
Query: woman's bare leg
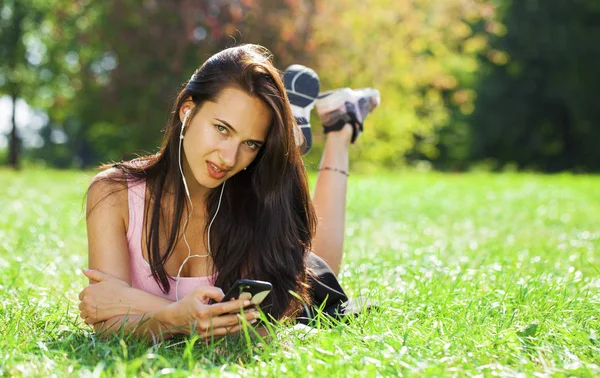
(330, 199)
(337, 107)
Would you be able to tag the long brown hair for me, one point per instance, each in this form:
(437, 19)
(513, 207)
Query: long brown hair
(266, 221)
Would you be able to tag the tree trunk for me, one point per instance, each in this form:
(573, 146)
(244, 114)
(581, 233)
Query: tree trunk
(16, 55)
(13, 155)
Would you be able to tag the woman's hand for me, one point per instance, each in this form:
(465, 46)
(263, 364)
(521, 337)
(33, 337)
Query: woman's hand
(102, 300)
(209, 320)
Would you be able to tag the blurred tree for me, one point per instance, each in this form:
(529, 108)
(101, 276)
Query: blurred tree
(415, 52)
(536, 104)
(107, 72)
(17, 20)
(285, 28)
(115, 66)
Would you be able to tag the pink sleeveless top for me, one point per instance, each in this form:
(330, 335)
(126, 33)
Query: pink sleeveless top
(139, 269)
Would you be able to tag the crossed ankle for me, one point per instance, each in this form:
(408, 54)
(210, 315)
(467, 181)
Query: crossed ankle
(342, 136)
(346, 106)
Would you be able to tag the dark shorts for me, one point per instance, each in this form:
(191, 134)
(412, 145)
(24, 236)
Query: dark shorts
(325, 291)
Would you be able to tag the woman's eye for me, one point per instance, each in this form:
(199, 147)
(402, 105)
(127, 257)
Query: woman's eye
(221, 129)
(252, 145)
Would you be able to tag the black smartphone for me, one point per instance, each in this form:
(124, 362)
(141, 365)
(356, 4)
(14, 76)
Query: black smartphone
(253, 290)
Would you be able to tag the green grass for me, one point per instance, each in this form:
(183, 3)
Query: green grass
(476, 274)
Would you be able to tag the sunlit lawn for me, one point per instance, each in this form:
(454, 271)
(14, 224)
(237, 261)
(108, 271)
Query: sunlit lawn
(474, 274)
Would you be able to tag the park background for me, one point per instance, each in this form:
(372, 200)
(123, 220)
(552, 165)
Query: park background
(482, 262)
(465, 84)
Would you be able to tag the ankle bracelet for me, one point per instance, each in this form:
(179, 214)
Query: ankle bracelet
(334, 170)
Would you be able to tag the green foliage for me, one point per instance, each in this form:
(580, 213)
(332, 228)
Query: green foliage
(18, 20)
(415, 53)
(114, 68)
(503, 84)
(109, 71)
(537, 108)
(474, 274)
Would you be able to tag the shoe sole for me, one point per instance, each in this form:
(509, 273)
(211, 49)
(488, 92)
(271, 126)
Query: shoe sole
(301, 90)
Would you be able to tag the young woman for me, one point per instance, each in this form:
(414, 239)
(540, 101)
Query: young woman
(226, 197)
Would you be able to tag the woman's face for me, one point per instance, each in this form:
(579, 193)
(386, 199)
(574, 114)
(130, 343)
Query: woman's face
(224, 136)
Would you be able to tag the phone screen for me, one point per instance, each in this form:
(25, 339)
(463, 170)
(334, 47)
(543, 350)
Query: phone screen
(253, 290)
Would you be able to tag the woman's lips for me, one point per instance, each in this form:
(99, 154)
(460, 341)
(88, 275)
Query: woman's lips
(215, 171)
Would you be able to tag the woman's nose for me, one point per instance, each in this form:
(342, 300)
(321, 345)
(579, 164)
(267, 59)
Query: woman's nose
(229, 153)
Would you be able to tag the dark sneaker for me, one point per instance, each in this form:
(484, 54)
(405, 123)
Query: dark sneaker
(302, 87)
(341, 106)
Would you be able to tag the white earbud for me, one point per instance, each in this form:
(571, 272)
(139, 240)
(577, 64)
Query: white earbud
(185, 117)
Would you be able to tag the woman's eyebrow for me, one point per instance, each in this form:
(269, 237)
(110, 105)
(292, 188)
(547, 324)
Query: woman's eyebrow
(226, 124)
(234, 130)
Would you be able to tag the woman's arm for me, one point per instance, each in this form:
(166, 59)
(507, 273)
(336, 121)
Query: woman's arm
(191, 314)
(107, 305)
(150, 325)
(110, 296)
(106, 215)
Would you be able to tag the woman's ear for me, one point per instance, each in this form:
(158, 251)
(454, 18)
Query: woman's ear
(186, 108)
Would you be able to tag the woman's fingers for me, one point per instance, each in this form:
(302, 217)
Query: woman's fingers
(224, 324)
(95, 275)
(226, 331)
(87, 318)
(87, 311)
(210, 292)
(82, 293)
(219, 332)
(229, 320)
(227, 307)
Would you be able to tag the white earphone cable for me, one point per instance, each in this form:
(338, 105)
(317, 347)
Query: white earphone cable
(190, 214)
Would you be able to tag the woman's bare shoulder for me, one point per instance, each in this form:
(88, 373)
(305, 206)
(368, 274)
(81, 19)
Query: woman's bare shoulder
(106, 221)
(108, 187)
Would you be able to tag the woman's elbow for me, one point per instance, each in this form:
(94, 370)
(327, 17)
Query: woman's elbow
(109, 327)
